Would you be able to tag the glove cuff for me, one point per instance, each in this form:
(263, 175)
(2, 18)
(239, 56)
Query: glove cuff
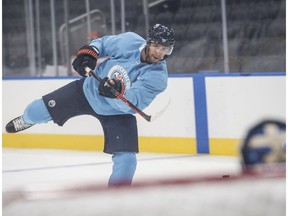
(89, 50)
(122, 88)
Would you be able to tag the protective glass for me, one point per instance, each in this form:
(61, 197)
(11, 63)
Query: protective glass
(166, 50)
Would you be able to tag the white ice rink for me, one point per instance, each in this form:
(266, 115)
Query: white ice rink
(35, 183)
(22, 167)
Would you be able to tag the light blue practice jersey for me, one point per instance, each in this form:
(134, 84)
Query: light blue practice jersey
(143, 82)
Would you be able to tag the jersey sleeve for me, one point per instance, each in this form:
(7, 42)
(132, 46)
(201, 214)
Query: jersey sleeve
(105, 45)
(115, 45)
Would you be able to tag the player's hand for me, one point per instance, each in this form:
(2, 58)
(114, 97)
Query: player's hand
(86, 57)
(110, 87)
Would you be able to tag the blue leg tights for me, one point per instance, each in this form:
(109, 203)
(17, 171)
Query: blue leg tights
(36, 113)
(123, 168)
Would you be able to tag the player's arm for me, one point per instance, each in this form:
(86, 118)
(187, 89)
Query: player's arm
(142, 92)
(106, 45)
(86, 57)
(113, 45)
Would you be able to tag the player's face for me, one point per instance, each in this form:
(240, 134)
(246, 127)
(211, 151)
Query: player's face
(156, 52)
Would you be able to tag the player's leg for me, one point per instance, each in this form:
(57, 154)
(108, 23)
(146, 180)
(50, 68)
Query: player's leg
(35, 113)
(59, 106)
(121, 140)
(124, 166)
(67, 102)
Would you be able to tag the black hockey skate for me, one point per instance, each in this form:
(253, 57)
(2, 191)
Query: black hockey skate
(17, 125)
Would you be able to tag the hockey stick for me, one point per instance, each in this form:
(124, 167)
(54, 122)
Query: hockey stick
(148, 118)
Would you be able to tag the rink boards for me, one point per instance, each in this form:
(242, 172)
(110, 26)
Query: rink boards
(208, 114)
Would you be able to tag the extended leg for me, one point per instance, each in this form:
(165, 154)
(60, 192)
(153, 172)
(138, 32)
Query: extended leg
(123, 168)
(35, 113)
(60, 105)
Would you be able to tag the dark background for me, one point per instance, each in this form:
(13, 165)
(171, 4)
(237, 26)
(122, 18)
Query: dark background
(256, 33)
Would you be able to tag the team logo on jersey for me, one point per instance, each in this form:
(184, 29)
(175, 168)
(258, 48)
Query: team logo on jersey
(120, 73)
(52, 103)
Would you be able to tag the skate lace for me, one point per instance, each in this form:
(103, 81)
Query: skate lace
(19, 124)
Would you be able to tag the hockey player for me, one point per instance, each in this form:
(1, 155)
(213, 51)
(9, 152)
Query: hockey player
(135, 68)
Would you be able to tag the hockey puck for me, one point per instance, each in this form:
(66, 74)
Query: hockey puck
(226, 176)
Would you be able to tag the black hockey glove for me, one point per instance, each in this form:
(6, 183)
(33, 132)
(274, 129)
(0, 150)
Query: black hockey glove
(108, 87)
(86, 57)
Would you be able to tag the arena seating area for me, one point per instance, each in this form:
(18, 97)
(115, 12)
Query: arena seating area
(256, 32)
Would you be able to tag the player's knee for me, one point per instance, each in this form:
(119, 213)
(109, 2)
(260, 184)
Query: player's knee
(36, 112)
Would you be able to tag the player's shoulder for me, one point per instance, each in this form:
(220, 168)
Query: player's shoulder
(159, 69)
(161, 65)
